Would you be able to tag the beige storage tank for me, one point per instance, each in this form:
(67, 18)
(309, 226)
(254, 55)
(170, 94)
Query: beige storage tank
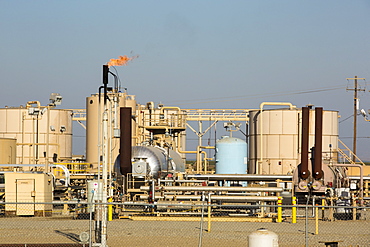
(8, 150)
(94, 124)
(275, 139)
(35, 129)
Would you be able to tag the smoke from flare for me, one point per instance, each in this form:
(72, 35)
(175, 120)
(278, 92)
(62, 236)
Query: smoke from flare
(121, 61)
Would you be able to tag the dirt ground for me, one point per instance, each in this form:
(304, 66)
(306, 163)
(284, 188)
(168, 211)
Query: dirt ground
(126, 232)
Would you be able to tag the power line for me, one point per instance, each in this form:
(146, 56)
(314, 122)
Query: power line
(242, 97)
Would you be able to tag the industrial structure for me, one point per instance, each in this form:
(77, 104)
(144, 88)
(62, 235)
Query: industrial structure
(137, 153)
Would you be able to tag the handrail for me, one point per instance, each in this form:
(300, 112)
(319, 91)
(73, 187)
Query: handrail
(350, 151)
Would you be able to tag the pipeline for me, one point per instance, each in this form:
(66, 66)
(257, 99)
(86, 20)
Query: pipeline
(239, 177)
(213, 188)
(215, 197)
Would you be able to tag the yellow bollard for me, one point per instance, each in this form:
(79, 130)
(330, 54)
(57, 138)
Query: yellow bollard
(110, 210)
(294, 209)
(317, 219)
(280, 210)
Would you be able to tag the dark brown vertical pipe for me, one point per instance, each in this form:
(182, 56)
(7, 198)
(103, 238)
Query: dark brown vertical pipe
(125, 140)
(317, 169)
(304, 172)
(105, 82)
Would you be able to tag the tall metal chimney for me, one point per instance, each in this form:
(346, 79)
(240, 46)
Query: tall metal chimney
(125, 140)
(317, 168)
(105, 81)
(304, 172)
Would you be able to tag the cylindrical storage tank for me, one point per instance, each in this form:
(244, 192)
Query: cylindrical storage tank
(275, 139)
(8, 150)
(35, 129)
(94, 111)
(158, 160)
(231, 156)
(263, 237)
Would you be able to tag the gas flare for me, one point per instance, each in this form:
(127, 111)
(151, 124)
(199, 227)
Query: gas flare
(121, 61)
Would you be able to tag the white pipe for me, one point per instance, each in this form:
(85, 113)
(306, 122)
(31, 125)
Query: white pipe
(239, 177)
(215, 197)
(104, 176)
(214, 188)
(64, 168)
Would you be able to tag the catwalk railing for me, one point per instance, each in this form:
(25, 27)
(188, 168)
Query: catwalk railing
(77, 223)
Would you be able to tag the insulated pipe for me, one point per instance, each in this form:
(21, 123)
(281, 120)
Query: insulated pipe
(215, 197)
(317, 168)
(239, 177)
(214, 188)
(304, 172)
(180, 181)
(125, 140)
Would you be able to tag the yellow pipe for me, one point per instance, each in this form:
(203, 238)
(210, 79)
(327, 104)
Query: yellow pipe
(29, 103)
(170, 108)
(198, 152)
(205, 155)
(294, 209)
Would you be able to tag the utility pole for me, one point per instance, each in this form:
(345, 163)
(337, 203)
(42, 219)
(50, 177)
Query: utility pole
(355, 109)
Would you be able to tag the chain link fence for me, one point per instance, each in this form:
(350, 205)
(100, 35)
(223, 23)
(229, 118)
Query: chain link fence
(75, 223)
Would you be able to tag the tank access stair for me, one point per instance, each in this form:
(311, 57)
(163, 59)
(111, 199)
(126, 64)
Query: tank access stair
(350, 153)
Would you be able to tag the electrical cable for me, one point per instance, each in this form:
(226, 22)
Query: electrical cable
(242, 97)
(346, 119)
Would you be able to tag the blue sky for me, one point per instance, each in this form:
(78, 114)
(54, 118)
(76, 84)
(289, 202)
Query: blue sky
(192, 54)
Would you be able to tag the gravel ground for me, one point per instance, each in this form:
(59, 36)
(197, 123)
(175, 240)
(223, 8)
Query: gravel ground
(125, 232)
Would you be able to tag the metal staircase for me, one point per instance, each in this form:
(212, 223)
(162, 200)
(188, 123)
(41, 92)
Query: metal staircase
(350, 153)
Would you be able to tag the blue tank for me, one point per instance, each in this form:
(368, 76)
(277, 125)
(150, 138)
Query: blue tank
(231, 156)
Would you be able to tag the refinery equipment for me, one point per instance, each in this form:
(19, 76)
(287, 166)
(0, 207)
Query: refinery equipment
(43, 134)
(319, 176)
(137, 153)
(274, 138)
(231, 156)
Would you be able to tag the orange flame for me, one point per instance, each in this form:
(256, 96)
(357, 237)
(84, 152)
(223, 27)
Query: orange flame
(121, 61)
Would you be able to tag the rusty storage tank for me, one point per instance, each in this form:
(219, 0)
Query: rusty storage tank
(275, 139)
(94, 111)
(231, 156)
(35, 128)
(8, 150)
